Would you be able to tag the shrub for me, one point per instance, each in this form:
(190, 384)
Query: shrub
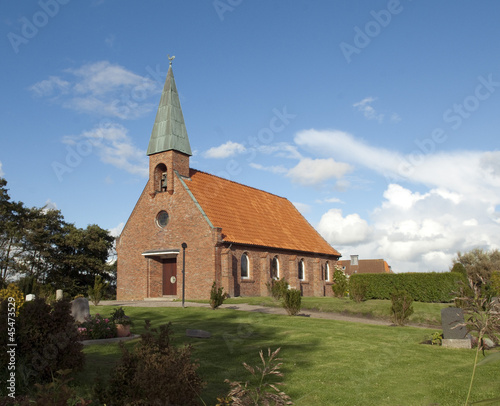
(97, 328)
(495, 283)
(402, 307)
(277, 288)
(175, 382)
(217, 296)
(13, 291)
(357, 289)
(47, 341)
(292, 301)
(430, 287)
(340, 281)
(262, 389)
(119, 317)
(96, 293)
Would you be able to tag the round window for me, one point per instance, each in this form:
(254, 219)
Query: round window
(162, 218)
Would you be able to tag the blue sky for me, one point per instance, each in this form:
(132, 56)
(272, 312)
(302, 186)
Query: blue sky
(379, 120)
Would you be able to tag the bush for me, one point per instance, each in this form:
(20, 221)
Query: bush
(357, 289)
(217, 296)
(47, 341)
(431, 287)
(495, 283)
(402, 307)
(97, 328)
(96, 293)
(292, 301)
(277, 288)
(340, 281)
(262, 389)
(155, 373)
(13, 291)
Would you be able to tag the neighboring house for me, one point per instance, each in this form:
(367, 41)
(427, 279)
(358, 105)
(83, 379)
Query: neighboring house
(238, 236)
(356, 265)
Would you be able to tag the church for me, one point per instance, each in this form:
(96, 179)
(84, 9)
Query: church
(190, 228)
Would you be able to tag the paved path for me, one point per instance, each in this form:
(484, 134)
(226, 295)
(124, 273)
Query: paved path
(253, 308)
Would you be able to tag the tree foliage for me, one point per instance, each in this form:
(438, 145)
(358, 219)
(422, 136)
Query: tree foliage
(479, 265)
(40, 244)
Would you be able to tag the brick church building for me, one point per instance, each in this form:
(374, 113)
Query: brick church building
(212, 228)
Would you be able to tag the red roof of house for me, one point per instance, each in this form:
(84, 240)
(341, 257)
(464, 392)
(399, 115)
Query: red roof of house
(253, 217)
(366, 266)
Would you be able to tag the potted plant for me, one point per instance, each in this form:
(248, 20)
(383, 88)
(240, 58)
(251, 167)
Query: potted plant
(122, 322)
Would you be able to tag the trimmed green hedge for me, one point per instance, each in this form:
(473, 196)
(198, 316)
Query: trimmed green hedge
(432, 287)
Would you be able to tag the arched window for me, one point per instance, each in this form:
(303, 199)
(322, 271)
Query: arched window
(301, 270)
(245, 267)
(327, 271)
(275, 268)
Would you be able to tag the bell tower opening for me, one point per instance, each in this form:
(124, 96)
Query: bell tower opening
(160, 178)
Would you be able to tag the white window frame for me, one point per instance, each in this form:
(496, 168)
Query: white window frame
(248, 266)
(327, 271)
(277, 267)
(303, 266)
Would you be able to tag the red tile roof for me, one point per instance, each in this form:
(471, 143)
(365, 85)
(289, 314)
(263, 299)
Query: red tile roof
(366, 266)
(253, 217)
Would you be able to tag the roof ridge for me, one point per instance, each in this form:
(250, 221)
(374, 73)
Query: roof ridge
(241, 184)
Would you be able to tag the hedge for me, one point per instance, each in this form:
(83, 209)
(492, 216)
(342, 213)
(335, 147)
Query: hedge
(431, 287)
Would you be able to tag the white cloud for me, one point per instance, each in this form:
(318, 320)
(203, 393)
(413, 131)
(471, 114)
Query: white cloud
(474, 174)
(341, 231)
(50, 86)
(273, 169)
(1, 170)
(281, 150)
(116, 231)
(225, 150)
(329, 200)
(368, 111)
(315, 171)
(302, 207)
(101, 88)
(114, 147)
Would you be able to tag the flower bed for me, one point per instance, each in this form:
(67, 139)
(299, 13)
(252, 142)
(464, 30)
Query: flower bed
(96, 328)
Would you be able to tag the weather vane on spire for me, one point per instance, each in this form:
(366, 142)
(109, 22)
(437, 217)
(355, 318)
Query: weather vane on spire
(171, 58)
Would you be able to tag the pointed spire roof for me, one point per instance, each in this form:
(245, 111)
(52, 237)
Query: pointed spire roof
(169, 130)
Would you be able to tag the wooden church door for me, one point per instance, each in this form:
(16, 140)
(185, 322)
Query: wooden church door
(170, 277)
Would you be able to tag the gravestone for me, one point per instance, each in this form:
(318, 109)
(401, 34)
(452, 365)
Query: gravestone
(198, 333)
(30, 297)
(454, 330)
(80, 309)
(59, 294)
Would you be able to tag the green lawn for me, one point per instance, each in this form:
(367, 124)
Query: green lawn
(325, 362)
(424, 313)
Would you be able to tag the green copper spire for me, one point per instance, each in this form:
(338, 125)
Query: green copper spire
(169, 130)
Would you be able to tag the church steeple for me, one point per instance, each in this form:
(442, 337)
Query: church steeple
(169, 130)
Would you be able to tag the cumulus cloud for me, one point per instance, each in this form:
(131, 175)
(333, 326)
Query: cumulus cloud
(113, 145)
(273, 168)
(1, 171)
(315, 171)
(341, 231)
(100, 88)
(116, 231)
(225, 150)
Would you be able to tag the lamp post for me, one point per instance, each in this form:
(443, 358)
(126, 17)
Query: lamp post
(184, 246)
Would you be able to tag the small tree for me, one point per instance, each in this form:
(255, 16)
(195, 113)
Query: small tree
(402, 307)
(339, 286)
(277, 288)
(292, 301)
(357, 289)
(217, 296)
(96, 292)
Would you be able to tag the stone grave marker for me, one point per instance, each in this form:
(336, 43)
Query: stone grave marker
(80, 309)
(454, 330)
(198, 333)
(30, 297)
(59, 294)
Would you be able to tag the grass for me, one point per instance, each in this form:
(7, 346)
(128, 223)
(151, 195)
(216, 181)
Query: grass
(424, 313)
(325, 362)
